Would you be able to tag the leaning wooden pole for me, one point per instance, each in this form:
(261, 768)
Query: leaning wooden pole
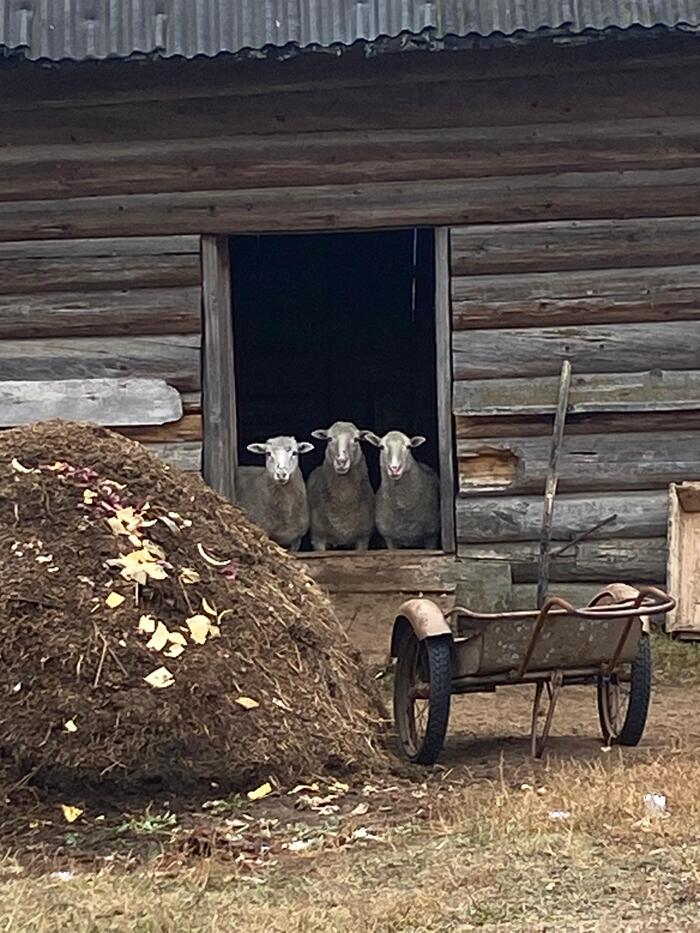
(551, 484)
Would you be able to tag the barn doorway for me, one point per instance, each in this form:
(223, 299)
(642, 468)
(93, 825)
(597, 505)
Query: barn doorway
(335, 326)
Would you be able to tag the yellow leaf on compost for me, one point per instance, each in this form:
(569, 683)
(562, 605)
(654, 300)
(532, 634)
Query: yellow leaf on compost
(155, 551)
(147, 625)
(207, 607)
(114, 600)
(247, 702)
(160, 678)
(71, 813)
(70, 726)
(173, 651)
(199, 628)
(187, 575)
(20, 467)
(89, 496)
(176, 638)
(214, 561)
(159, 639)
(214, 631)
(260, 792)
(117, 527)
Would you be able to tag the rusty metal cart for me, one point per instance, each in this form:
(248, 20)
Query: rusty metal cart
(605, 644)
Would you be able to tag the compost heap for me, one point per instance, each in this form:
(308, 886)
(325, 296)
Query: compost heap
(151, 633)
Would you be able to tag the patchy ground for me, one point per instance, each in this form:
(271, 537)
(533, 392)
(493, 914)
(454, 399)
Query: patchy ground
(490, 840)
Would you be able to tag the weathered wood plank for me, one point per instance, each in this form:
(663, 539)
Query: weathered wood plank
(33, 274)
(219, 382)
(599, 296)
(105, 247)
(101, 401)
(642, 93)
(371, 205)
(650, 391)
(467, 428)
(523, 595)
(346, 158)
(605, 559)
(383, 572)
(591, 461)
(443, 339)
(172, 358)
(188, 428)
(186, 455)
(683, 554)
(110, 313)
(487, 519)
(600, 348)
(574, 245)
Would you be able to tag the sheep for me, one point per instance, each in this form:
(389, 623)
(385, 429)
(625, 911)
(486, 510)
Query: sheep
(274, 496)
(407, 510)
(341, 498)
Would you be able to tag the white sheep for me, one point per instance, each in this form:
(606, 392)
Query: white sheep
(274, 496)
(341, 498)
(407, 504)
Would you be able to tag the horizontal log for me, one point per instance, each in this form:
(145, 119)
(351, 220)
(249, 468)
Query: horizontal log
(172, 358)
(110, 313)
(605, 560)
(100, 401)
(524, 595)
(562, 245)
(650, 391)
(40, 274)
(185, 455)
(368, 205)
(346, 158)
(487, 519)
(600, 296)
(641, 93)
(599, 348)
(188, 428)
(191, 402)
(597, 423)
(591, 461)
(105, 248)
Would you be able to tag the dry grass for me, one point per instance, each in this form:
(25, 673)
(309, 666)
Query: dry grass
(488, 857)
(675, 662)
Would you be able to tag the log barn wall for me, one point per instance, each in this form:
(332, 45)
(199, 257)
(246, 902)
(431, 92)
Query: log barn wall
(570, 181)
(109, 308)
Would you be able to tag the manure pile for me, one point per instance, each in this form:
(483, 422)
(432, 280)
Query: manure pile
(150, 633)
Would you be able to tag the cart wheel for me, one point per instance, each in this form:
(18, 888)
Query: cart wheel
(624, 697)
(422, 691)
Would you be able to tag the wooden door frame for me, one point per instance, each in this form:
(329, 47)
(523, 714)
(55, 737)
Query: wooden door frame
(220, 436)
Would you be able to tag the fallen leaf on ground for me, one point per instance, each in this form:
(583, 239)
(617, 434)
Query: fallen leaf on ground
(214, 561)
(247, 703)
(263, 791)
(159, 639)
(177, 638)
(71, 813)
(207, 607)
(160, 678)
(147, 624)
(199, 628)
(114, 600)
(20, 467)
(70, 726)
(174, 651)
(187, 575)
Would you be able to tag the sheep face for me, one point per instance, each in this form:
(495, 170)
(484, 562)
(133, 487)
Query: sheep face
(281, 456)
(395, 452)
(343, 450)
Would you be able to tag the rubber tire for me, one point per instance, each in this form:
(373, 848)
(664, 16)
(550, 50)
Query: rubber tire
(639, 701)
(439, 656)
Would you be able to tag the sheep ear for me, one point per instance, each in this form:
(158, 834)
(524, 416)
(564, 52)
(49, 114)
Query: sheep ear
(416, 441)
(371, 437)
(257, 448)
(320, 434)
(305, 447)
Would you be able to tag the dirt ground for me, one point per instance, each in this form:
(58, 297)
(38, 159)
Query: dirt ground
(488, 840)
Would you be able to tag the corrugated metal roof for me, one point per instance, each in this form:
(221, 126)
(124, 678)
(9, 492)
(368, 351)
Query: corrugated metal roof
(55, 30)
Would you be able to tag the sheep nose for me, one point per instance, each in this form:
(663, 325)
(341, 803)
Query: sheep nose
(394, 470)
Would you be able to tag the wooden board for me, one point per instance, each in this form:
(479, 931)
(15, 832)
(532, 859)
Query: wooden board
(129, 248)
(254, 161)
(100, 401)
(596, 296)
(516, 353)
(683, 572)
(654, 390)
(575, 245)
(443, 370)
(172, 358)
(110, 313)
(468, 427)
(188, 428)
(578, 594)
(187, 455)
(488, 519)
(441, 202)
(602, 559)
(591, 461)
